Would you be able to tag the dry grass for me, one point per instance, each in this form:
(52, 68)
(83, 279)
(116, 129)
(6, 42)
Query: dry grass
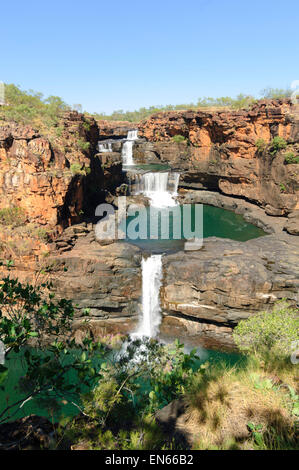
(26, 240)
(221, 404)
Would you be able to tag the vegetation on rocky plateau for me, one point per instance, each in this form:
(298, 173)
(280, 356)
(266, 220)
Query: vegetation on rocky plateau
(242, 101)
(32, 107)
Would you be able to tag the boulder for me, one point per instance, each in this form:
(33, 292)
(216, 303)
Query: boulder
(292, 225)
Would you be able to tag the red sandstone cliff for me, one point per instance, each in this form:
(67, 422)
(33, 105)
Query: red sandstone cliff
(43, 175)
(220, 151)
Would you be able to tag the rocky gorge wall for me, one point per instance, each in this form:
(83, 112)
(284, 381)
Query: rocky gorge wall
(59, 181)
(220, 152)
(54, 178)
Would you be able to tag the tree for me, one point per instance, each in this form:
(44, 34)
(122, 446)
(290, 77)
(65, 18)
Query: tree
(34, 323)
(161, 371)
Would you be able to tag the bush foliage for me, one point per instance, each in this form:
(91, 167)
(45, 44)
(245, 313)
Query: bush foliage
(178, 138)
(38, 326)
(260, 145)
(277, 143)
(12, 216)
(269, 335)
(30, 107)
(290, 158)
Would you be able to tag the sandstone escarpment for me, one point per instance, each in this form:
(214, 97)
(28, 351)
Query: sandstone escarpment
(113, 129)
(220, 151)
(55, 179)
(35, 173)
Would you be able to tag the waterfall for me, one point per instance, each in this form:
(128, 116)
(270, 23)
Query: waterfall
(132, 135)
(161, 188)
(127, 153)
(127, 148)
(151, 283)
(105, 147)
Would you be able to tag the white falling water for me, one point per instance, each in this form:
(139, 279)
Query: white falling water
(127, 148)
(151, 283)
(127, 153)
(161, 188)
(105, 147)
(132, 135)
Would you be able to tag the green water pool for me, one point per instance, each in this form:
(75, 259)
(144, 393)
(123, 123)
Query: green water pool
(216, 222)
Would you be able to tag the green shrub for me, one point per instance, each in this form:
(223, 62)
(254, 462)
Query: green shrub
(79, 169)
(269, 335)
(164, 370)
(275, 93)
(278, 143)
(83, 145)
(86, 126)
(282, 187)
(13, 216)
(59, 131)
(31, 316)
(290, 158)
(260, 145)
(178, 138)
(76, 168)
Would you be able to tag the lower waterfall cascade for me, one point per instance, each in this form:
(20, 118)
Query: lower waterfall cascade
(151, 283)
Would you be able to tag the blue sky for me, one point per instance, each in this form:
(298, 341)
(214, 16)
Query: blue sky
(110, 55)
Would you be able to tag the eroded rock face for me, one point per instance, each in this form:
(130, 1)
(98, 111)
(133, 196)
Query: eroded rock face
(106, 280)
(206, 293)
(54, 180)
(220, 151)
(292, 225)
(114, 129)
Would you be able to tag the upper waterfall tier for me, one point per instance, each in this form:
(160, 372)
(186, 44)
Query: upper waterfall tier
(127, 148)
